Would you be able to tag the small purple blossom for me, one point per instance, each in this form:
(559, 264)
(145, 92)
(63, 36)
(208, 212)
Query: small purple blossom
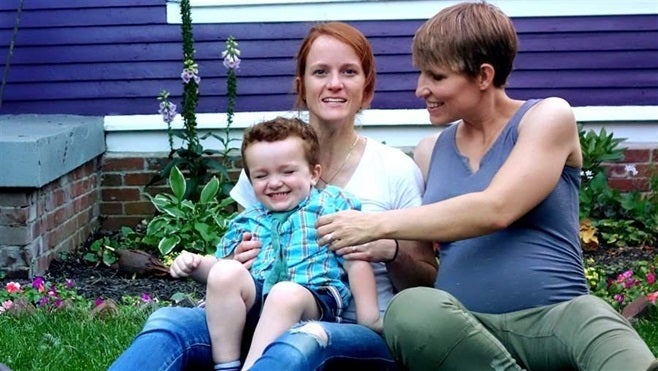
(168, 111)
(38, 283)
(69, 283)
(190, 74)
(231, 62)
(231, 55)
(146, 298)
(43, 301)
(98, 302)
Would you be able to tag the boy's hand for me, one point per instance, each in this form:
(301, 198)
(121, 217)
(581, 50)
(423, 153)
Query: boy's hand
(247, 250)
(184, 264)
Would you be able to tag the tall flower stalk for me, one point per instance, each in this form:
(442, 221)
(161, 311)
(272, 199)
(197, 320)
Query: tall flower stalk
(197, 163)
(191, 79)
(232, 61)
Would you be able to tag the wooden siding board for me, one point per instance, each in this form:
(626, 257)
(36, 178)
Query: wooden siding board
(211, 68)
(383, 100)
(76, 4)
(123, 53)
(585, 24)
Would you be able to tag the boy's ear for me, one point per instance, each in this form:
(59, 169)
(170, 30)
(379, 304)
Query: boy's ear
(316, 171)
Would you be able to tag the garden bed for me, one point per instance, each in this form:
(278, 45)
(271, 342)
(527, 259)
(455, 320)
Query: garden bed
(105, 282)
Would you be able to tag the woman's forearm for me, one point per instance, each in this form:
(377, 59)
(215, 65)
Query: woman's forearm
(415, 265)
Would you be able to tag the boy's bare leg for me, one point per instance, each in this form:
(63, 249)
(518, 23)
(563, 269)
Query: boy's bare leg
(286, 304)
(364, 293)
(230, 295)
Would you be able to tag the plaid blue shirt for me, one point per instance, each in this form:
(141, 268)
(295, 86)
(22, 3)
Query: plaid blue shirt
(309, 264)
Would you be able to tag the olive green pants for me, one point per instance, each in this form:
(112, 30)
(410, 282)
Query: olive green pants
(428, 329)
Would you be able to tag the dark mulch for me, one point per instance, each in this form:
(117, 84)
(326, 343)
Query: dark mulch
(102, 281)
(623, 257)
(105, 282)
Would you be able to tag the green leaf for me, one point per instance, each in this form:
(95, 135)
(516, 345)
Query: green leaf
(178, 297)
(177, 183)
(209, 191)
(167, 244)
(91, 257)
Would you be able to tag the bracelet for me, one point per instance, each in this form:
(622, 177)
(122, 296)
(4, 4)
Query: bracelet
(395, 255)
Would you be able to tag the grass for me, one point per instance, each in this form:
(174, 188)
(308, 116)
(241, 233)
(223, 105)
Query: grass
(648, 330)
(67, 339)
(73, 340)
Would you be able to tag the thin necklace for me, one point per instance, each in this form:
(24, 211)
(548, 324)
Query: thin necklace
(347, 157)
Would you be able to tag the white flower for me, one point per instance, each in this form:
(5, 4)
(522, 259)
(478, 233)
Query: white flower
(630, 169)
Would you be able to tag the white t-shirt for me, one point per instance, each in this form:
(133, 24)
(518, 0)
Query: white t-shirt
(385, 179)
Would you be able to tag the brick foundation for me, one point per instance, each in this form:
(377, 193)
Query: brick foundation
(124, 177)
(37, 224)
(641, 157)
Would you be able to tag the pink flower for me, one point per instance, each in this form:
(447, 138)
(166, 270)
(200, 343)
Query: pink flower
(98, 302)
(13, 287)
(652, 297)
(651, 278)
(146, 298)
(619, 298)
(7, 305)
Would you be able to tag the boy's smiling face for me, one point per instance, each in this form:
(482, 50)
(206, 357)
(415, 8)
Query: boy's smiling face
(280, 174)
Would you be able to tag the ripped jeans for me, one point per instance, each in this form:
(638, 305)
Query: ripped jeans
(341, 346)
(176, 338)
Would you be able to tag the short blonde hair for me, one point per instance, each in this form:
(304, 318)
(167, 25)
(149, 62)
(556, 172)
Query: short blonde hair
(464, 36)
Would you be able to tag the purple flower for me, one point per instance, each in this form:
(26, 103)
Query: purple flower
(232, 62)
(168, 111)
(98, 302)
(43, 301)
(146, 298)
(231, 55)
(69, 284)
(38, 283)
(190, 74)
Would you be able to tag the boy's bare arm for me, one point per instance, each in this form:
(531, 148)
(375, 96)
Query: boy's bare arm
(364, 293)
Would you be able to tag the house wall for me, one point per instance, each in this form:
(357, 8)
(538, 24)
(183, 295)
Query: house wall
(105, 58)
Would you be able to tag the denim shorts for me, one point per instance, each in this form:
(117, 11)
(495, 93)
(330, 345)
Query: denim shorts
(326, 299)
(327, 303)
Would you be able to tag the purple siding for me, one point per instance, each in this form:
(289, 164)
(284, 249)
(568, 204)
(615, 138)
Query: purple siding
(97, 57)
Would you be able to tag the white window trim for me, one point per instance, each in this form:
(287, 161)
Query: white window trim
(397, 127)
(238, 11)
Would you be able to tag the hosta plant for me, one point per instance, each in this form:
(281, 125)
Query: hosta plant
(185, 224)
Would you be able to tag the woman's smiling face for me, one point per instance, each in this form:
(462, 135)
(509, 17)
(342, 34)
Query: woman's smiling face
(334, 80)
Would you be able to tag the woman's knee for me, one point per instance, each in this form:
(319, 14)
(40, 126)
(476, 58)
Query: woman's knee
(417, 315)
(411, 309)
(177, 322)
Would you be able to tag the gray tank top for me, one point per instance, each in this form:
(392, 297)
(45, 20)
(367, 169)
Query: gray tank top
(536, 261)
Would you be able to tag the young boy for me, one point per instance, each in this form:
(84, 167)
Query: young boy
(293, 278)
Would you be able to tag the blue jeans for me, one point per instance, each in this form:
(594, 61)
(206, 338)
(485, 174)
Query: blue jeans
(176, 338)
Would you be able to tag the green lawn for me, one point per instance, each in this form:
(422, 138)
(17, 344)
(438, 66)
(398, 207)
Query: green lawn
(70, 340)
(66, 340)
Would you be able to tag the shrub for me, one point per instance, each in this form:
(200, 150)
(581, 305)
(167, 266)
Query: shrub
(607, 215)
(185, 224)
